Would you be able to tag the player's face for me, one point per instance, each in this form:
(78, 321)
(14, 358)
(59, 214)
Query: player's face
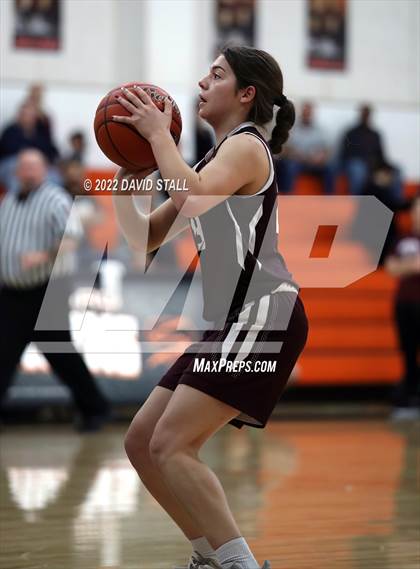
(218, 95)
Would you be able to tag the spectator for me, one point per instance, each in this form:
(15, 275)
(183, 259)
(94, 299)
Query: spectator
(362, 159)
(41, 257)
(404, 263)
(77, 143)
(35, 97)
(26, 132)
(308, 152)
(73, 174)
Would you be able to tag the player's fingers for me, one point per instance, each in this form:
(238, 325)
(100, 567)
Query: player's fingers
(167, 109)
(134, 99)
(129, 106)
(127, 120)
(144, 97)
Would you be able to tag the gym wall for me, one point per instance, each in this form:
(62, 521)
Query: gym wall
(170, 42)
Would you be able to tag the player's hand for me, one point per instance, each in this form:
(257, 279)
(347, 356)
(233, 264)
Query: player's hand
(34, 259)
(145, 116)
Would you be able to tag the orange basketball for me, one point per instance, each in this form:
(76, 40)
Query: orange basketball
(122, 143)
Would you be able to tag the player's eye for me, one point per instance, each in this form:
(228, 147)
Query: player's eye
(216, 76)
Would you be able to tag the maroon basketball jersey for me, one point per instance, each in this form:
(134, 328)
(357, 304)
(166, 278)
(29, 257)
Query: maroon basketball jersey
(237, 244)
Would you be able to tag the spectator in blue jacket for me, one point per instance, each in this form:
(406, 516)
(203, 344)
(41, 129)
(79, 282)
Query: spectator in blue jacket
(27, 131)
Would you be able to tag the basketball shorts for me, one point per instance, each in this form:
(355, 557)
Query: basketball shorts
(247, 362)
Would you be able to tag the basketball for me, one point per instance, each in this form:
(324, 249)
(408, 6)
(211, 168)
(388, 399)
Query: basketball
(122, 143)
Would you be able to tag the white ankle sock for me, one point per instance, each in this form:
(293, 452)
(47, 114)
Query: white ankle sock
(236, 551)
(203, 547)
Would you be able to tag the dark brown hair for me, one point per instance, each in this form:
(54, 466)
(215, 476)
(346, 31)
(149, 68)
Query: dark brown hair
(255, 67)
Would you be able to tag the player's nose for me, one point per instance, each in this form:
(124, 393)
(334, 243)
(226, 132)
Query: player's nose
(203, 83)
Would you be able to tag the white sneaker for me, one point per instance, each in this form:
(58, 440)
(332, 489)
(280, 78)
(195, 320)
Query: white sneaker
(208, 563)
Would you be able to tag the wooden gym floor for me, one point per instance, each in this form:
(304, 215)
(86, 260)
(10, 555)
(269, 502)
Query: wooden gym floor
(314, 494)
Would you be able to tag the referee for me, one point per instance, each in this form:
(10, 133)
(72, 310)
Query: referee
(33, 226)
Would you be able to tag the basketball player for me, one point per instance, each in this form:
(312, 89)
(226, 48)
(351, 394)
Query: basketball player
(249, 295)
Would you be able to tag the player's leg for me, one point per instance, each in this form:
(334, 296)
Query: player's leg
(137, 443)
(189, 419)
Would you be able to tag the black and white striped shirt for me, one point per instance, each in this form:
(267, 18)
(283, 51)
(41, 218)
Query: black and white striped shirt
(36, 223)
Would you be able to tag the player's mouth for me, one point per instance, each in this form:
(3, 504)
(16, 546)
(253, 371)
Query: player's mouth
(202, 99)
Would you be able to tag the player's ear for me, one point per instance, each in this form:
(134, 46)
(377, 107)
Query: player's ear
(248, 94)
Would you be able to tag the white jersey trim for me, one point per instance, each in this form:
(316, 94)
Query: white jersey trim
(235, 329)
(252, 228)
(270, 175)
(238, 237)
(255, 329)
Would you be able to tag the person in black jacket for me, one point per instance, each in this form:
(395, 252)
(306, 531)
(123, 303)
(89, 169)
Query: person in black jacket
(363, 160)
(27, 131)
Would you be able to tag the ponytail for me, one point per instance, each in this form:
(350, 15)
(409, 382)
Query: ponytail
(255, 67)
(285, 119)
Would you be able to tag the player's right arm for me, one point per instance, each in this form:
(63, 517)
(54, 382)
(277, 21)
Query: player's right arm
(160, 226)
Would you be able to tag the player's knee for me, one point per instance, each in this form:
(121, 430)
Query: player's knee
(162, 446)
(136, 444)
